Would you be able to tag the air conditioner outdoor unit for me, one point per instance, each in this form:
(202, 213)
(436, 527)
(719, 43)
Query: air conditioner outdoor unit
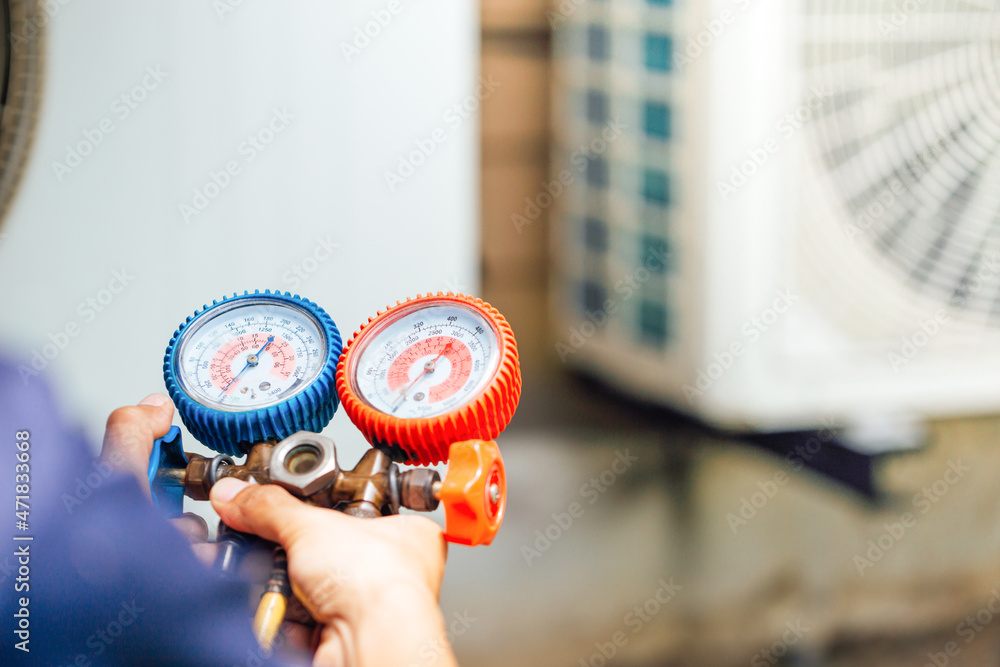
(775, 215)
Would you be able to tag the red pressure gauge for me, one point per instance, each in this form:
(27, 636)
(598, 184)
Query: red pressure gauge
(436, 378)
(429, 372)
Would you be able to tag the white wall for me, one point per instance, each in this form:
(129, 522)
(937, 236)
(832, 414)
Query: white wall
(321, 177)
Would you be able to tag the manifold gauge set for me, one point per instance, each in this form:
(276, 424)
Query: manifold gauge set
(432, 379)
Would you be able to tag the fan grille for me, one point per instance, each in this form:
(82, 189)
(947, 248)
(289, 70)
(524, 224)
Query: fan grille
(910, 137)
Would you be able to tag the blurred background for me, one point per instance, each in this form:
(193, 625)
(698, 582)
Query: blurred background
(749, 251)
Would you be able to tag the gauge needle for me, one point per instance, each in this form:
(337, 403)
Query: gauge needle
(251, 361)
(428, 368)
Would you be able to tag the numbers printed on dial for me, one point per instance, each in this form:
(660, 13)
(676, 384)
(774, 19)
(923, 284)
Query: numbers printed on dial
(253, 354)
(427, 362)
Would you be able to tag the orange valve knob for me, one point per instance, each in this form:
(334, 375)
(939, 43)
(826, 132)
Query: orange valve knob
(429, 372)
(474, 492)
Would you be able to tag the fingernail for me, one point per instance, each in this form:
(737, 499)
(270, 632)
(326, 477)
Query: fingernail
(155, 400)
(226, 489)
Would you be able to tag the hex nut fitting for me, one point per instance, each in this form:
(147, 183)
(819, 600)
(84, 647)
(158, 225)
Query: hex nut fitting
(416, 489)
(304, 463)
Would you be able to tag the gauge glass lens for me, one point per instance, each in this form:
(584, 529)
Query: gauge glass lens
(426, 361)
(249, 355)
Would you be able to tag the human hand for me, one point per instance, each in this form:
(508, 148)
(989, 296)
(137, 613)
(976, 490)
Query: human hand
(371, 584)
(128, 443)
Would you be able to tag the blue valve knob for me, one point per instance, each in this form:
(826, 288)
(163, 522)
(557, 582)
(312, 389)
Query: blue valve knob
(167, 453)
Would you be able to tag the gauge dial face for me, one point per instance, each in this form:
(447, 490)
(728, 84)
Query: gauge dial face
(426, 360)
(250, 354)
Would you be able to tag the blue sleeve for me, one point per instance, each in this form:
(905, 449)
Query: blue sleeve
(103, 577)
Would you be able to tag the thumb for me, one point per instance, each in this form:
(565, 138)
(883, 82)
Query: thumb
(265, 510)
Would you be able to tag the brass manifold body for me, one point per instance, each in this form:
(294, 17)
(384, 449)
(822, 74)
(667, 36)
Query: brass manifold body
(306, 465)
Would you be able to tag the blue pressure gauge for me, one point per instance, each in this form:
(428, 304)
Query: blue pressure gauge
(254, 367)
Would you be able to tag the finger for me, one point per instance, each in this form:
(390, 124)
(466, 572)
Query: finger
(265, 510)
(336, 644)
(206, 552)
(422, 529)
(426, 541)
(191, 526)
(130, 431)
